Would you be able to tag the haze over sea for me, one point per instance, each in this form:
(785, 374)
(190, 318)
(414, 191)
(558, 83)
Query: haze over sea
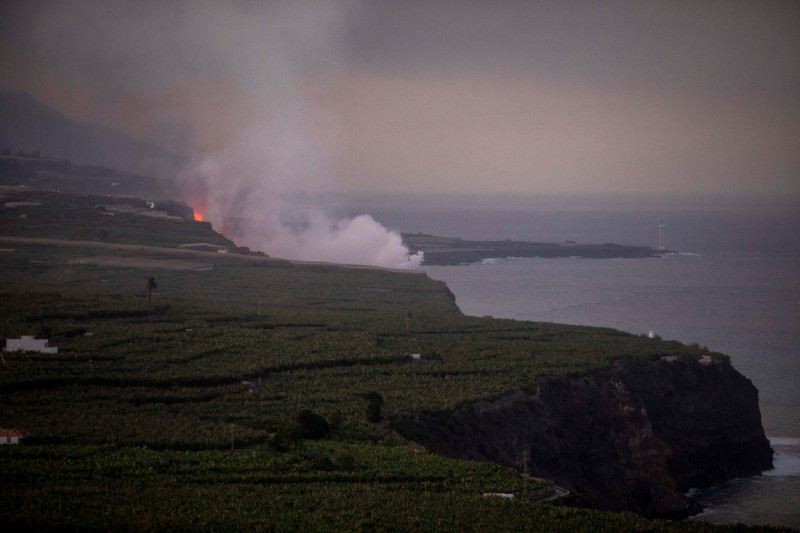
(733, 286)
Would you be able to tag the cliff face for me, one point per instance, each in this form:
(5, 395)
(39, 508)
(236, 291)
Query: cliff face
(634, 438)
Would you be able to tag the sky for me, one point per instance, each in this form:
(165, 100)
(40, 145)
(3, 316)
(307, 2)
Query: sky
(468, 96)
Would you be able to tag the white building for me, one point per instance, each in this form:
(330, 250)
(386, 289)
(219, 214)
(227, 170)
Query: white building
(12, 436)
(29, 344)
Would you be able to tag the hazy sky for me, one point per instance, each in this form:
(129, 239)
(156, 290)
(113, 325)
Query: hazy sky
(528, 96)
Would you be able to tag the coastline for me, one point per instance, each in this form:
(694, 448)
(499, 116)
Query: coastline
(454, 251)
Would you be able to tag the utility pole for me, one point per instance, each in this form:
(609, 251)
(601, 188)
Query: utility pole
(408, 332)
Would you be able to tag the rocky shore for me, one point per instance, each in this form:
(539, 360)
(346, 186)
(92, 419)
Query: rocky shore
(632, 438)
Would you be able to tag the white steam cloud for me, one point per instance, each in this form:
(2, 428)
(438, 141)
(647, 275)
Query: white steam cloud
(260, 188)
(237, 77)
(235, 192)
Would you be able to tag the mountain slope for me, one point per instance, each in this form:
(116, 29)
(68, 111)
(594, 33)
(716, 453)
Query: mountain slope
(27, 125)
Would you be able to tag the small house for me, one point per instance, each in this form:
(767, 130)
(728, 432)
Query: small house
(12, 436)
(29, 344)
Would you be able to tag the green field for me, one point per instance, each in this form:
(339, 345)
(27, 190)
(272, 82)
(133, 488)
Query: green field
(238, 398)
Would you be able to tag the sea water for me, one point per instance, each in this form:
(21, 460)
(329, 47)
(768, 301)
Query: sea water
(733, 284)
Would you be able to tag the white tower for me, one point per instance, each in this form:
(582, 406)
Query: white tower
(661, 227)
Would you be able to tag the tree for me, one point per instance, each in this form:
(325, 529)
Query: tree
(306, 425)
(374, 404)
(151, 285)
(314, 426)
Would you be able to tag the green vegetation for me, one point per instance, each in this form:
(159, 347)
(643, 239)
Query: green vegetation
(96, 218)
(91, 488)
(245, 398)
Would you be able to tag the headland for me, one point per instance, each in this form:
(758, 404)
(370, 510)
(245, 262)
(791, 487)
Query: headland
(443, 251)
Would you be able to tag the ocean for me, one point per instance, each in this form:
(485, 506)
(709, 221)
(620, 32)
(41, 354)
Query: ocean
(733, 285)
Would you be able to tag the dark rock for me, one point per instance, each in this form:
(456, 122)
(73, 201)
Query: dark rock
(633, 438)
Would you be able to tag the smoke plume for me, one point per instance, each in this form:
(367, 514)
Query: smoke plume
(262, 187)
(260, 194)
(237, 80)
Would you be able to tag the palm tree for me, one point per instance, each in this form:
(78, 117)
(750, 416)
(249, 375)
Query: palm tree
(151, 284)
(408, 332)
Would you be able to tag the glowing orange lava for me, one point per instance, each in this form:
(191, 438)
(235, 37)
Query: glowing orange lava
(198, 216)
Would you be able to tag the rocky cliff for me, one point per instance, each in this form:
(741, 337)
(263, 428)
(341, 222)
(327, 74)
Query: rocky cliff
(635, 437)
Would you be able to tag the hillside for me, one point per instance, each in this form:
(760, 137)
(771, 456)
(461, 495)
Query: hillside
(120, 220)
(34, 171)
(260, 394)
(28, 125)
